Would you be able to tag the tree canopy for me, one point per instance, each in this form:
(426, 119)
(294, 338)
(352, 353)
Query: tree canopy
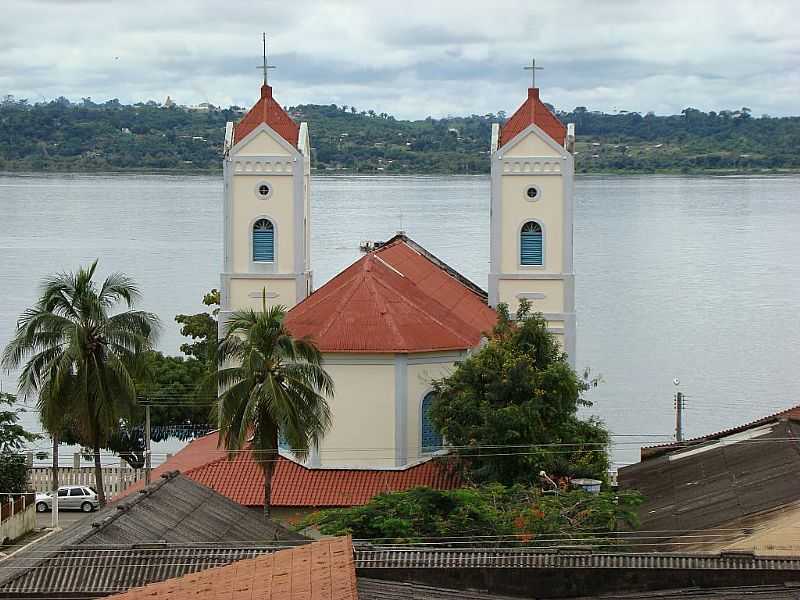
(500, 515)
(89, 136)
(510, 409)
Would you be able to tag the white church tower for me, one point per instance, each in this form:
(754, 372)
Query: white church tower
(266, 169)
(532, 217)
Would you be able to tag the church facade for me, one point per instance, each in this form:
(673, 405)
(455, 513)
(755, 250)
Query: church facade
(399, 317)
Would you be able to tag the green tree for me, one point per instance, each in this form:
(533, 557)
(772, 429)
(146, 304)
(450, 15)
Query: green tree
(510, 409)
(180, 406)
(500, 515)
(270, 383)
(13, 437)
(202, 328)
(81, 359)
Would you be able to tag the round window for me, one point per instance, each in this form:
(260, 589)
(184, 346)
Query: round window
(532, 193)
(263, 190)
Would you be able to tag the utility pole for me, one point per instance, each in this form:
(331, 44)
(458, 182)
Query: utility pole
(147, 464)
(680, 403)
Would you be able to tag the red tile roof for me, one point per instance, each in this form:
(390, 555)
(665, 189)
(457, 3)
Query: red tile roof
(654, 451)
(294, 485)
(399, 298)
(323, 570)
(533, 111)
(196, 453)
(268, 111)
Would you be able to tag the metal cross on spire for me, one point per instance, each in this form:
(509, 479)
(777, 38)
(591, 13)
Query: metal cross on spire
(533, 68)
(265, 66)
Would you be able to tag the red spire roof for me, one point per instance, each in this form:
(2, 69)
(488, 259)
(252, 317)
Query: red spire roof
(398, 298)
(267, 110)
(533, 111)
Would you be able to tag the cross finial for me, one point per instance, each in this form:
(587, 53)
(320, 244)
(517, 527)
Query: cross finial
(533, 68)
(265, 66)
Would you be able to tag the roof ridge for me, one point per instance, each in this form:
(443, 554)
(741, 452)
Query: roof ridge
(125, 505)
(372, 284)
(427, 312)
(402, 238)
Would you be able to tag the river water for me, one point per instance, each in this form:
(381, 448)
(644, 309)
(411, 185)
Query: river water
(688, 277)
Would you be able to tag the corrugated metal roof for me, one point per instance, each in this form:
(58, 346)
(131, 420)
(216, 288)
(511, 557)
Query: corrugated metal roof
(707, 485)
(376, 557)
(761, 592)
(294, 485)
(92, 571)
(104, 550)
(379, 589)
(649, 452)
(533, 112)
(267, 110)
(398, 298)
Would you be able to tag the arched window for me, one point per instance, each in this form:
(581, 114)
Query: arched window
(431, 439)
(531, 244)
(263, 241)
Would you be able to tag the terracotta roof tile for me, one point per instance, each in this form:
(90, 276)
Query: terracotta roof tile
(294, 485)
(533, 111)
(324, 570)
(267, 110)
(399, 298)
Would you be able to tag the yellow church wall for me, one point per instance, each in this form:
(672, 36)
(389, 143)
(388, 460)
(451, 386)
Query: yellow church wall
(552, 289)
(247, 207)
(247, 292)
(362, 411)
(262, 144)
(419, 384)
(547, 210)
(531, 145)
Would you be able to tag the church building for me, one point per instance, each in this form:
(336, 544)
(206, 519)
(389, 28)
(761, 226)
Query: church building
(399, 317)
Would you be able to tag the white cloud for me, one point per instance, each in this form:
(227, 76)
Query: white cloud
(411, 58)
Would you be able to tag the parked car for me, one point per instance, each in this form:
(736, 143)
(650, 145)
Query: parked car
(70, 497)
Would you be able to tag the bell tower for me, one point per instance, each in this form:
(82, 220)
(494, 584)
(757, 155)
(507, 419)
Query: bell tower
(266, 170)
(532, 178)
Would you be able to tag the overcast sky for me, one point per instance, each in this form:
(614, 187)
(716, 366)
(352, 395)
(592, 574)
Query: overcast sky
(409, 58)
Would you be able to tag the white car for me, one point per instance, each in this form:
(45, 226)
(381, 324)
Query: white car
(70, 497)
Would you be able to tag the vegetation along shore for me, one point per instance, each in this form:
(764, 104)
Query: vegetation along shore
(84, 137)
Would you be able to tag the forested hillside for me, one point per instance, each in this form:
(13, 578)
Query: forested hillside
(64, 136)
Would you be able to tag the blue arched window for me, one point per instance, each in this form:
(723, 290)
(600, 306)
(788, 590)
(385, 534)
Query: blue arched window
(531, 249)
(431, 439)
(263, 241)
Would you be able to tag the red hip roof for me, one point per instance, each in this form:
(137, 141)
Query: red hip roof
(399, 298)
(267, 111)
(533, 112)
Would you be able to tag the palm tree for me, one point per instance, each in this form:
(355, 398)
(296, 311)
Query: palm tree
(79, 359)
(270, 384)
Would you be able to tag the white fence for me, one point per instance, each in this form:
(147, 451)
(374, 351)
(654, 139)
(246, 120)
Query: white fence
(115, 479)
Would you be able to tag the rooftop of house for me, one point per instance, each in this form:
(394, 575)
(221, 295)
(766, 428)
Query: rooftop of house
(649, 452)
(322, 570)
(725, 477)
(171, 512)
(398, 298)
(267, 111)
(533, 112)
(293, 485)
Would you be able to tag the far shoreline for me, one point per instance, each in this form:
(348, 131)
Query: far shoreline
(343, 173)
